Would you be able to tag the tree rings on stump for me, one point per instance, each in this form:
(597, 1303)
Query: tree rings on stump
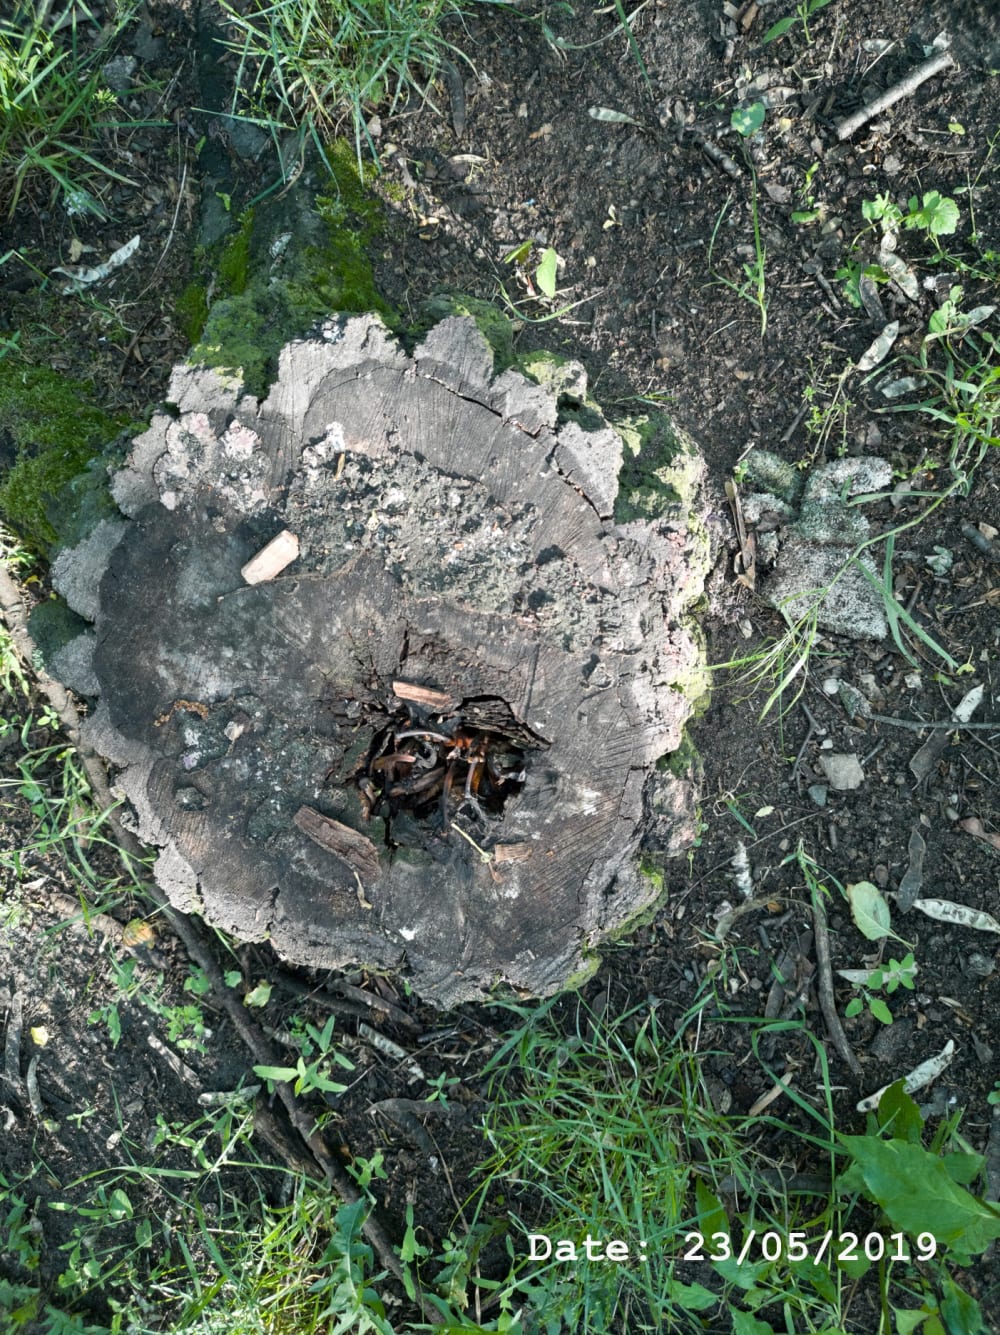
(423, 731)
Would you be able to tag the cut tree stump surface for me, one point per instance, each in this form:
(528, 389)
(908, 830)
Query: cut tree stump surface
(429, 740)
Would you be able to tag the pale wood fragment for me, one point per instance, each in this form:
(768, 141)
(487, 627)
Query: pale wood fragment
(895, 94)
(437, 701)
(357, 850)
(272, 559)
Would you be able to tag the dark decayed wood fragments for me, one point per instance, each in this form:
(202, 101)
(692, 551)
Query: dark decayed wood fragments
(426, 736)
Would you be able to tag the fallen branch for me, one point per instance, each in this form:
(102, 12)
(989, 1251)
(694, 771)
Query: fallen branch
(919, 725)
(896, 93)
(824, 983)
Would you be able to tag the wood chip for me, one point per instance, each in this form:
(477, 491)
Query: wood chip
(512, 852)
(357, 850)
(272, 559)
(438, 702)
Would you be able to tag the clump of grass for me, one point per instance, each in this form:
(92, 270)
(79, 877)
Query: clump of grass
(606, 1126)
(312, 65)
(53, 105)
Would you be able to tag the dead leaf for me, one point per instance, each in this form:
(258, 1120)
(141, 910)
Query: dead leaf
(920, 1075)
(880, 349)
(609, 117)
(946, 910)
(971, 825)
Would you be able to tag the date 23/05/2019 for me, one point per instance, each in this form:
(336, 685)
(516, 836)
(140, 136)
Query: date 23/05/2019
(755, 1245)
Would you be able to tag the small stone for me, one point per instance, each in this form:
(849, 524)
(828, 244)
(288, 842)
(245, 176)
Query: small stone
(817, 792)
(118, 73)
(853, 701)
(831, 686)
(843, 770)
(978, 965)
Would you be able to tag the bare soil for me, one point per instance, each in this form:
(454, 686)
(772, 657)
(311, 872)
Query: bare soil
(649, 226)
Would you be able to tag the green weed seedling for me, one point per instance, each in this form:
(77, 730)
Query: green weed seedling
(185, 1022)
(545, 276)
(804, 11)
(935, 215)
(309, 1076)
(754, 289)
(809, 210)
(887, 977)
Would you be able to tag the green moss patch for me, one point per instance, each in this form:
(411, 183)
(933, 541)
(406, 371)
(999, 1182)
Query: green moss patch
(657, 473)
(50, 432)
(287, 268)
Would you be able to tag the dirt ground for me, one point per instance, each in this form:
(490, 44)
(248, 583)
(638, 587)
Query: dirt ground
(652, 216)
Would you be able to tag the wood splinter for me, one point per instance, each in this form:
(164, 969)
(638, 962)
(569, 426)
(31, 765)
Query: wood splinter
(357, 850)
(272, 559)
(438, 702)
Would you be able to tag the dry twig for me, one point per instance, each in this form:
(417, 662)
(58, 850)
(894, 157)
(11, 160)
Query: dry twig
(824, 985)
(896, 93)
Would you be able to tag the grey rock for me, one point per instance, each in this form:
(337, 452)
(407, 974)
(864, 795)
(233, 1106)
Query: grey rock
(118, 73)
(843, 770)
(850, 605)
(813, 569)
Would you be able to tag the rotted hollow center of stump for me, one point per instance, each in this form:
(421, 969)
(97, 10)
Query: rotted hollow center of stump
(433, 757)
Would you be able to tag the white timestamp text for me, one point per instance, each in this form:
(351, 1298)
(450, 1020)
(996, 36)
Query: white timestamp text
(754, 1245)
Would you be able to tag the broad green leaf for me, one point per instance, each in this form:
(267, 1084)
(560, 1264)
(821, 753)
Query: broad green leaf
(275, 1072)
(880, 1010)
(545, 274)
(712, 1217)
(963, 1167)
(938, 215)
(748, 120)
(518, 254)
(907, 1320)
(259, 995)
(869, 910)
(690, 1297)
(960, 1310)
(775, 31)
(918, 1195)
(898, 1112)
(745, 1324)
(743, 1276)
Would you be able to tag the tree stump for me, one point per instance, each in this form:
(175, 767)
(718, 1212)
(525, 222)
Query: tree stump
(387, 668)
